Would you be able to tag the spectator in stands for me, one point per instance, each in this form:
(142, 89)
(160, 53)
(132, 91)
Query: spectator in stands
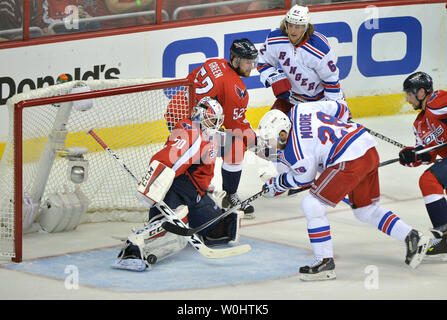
(67, 11)
(11, 17)
(123, 6)
(118, 7)
(170, 7)
(265, 5)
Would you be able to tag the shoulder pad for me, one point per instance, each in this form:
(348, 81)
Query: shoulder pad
(317, 45)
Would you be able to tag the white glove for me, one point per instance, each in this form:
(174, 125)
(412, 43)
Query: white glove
(274, 187)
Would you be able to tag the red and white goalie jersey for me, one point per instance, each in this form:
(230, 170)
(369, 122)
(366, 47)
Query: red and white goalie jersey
(430, 126)
(188, 151)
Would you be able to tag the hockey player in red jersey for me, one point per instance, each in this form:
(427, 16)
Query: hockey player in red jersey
(221, 79)
(430, 129)
(184, 169)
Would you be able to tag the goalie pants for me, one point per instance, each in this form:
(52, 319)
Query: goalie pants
(201, 209)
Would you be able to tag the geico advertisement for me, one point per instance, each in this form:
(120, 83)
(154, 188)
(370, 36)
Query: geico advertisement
(376, 47)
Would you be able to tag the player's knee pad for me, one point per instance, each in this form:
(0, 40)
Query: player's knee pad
(439, 170)
(429, 184)
(312, 207)
(226, 231)
(364, 214)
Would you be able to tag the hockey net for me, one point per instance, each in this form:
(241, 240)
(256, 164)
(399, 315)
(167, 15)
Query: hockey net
(47, 144)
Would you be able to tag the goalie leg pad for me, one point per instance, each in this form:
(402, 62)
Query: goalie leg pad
(219, 233)
(226, 231)
(151, 243)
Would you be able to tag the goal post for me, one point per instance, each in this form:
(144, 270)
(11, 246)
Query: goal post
(50, 162)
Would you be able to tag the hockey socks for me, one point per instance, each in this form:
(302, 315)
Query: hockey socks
(321, 241)
(384, 220)
(437, 211)
(231, 179)
(317, 227)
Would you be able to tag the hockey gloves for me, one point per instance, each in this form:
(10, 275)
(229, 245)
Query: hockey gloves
(409, 158)
(275, 186)
(280, 84)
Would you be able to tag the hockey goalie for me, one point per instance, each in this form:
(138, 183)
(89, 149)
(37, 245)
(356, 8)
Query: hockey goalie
(179, 175)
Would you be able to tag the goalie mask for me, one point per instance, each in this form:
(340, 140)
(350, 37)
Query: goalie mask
(271, 125)
(209, 114)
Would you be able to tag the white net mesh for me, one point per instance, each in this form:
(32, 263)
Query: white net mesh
(133, 125)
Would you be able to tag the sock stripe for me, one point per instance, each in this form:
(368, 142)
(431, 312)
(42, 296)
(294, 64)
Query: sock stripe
(320, 234)
(387, 222)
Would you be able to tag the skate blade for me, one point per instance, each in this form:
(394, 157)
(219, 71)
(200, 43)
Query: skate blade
(323, 275)
(423, 244)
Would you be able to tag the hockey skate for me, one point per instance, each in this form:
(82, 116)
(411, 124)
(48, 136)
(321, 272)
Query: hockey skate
(438, 245)
(129, 258)
(231, 200)
(417, 246)
(320, 269)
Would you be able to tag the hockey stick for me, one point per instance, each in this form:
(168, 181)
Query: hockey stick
(429, 149)
(384, 163)
(387, 162)
(382, 137)
(188, 232)
(194, 240)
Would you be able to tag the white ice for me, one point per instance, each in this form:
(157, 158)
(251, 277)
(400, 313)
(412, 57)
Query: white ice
(369, 264)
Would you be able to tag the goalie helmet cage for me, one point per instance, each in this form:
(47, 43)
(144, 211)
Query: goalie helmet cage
(47, 127)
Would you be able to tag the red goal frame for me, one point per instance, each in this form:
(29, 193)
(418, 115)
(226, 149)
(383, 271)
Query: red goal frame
(18, 148)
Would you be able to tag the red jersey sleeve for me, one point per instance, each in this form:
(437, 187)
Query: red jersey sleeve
(437, 104)
(182, 149)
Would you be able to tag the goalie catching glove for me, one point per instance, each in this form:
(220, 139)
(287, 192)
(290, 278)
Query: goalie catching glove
(155, 184)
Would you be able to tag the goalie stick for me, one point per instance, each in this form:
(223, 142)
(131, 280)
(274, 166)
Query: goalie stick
(188, 232)
(194, 240)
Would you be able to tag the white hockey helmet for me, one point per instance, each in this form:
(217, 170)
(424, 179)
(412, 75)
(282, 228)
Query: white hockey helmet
(272, 124)
(298, 15)
(210, 114)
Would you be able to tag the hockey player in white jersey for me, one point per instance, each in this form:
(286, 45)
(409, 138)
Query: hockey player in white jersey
(316, 139)
(298, 63)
